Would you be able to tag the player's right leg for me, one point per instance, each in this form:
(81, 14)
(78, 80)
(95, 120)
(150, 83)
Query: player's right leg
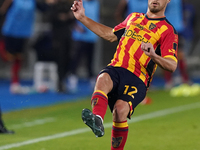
(99, 103)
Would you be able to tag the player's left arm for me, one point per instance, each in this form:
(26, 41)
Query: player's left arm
(167, 63)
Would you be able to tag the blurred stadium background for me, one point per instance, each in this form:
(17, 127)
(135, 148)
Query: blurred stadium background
(105, 50)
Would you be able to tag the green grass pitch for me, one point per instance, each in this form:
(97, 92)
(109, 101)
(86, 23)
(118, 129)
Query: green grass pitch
(168, 123)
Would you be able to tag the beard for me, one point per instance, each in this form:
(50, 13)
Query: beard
(155, 9)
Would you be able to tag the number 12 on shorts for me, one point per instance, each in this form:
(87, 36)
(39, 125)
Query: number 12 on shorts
(132, 90)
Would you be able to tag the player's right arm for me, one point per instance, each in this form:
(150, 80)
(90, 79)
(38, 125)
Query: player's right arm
(101, 30)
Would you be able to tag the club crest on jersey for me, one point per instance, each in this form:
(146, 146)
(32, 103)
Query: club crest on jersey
(94, 102)
(152, 26)
(116, 141)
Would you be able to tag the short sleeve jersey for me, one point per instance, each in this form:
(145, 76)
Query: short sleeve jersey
(134, 30)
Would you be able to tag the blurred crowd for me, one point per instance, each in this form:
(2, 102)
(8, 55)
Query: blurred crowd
(59, 42)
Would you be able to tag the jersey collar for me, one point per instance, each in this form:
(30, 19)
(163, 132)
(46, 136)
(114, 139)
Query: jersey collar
(159, 18)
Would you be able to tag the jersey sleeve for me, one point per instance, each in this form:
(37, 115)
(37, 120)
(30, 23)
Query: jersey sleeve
(120, 28)
(169, 45)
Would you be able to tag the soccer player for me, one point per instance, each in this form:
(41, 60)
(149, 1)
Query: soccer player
(145, 42)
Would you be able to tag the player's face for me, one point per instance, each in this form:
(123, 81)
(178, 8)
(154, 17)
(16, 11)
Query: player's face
(156, 6)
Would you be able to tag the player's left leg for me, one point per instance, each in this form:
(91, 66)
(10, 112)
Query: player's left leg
(130, 92)
(120, 125)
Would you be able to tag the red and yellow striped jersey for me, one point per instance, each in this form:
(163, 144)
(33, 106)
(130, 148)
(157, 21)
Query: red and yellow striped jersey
(134, 30)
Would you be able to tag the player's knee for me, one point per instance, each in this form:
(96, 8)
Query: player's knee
(104, 78)
(120, 111)
(104, 83)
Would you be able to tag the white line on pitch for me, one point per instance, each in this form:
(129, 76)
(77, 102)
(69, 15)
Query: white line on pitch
(33, 123)
(106, 125)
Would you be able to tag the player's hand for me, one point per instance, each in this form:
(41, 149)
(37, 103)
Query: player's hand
(78, 10)
(148, 49)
